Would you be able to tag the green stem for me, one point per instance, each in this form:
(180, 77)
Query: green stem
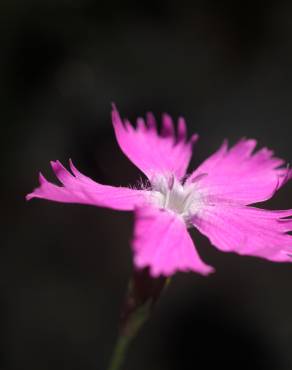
(135, 321)
(143, 292)
(119, 353)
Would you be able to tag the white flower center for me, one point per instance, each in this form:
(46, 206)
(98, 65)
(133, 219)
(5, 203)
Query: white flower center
(168, 193)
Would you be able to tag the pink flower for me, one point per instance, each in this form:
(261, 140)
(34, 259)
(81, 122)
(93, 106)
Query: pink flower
(215, 198)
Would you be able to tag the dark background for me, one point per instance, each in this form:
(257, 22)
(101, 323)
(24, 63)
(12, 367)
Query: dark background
(227, 67)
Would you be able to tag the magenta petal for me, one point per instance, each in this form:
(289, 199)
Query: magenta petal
(241, 175)
(247, 230)
(162, 242)
(150, 151)
(181, 128)
(167, 126)
(78, 188)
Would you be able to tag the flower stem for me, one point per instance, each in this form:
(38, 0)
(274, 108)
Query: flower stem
(134, 323)
(143, 292)
(118, 355)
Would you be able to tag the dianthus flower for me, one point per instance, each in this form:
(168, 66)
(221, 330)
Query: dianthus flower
(216, 198)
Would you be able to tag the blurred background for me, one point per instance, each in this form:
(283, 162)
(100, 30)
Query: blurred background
(226, 67)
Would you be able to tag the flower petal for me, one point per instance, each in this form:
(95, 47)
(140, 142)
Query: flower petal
(247, 230)
(150, 151)
(240, 175)
(161, 242)
(78, 188)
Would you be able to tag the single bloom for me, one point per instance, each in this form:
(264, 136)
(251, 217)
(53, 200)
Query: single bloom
(216, 198)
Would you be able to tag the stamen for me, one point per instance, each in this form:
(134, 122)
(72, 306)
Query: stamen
(171, 182)
(169, 193)
(199, 177)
